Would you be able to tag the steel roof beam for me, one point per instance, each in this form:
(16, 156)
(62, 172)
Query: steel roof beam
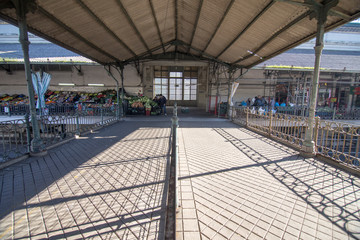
(156, 24)
(71, 31)
(145, 54)
(307, 38)
(133, 25)
(196, 23)
(275, 35)
(314, 5)
(98, 20)
(219, 24)
(246, 28)
(42, 35)
(209, 57)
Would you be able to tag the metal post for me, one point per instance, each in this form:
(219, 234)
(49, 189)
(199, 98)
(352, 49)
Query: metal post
(117, 110)
(229, 94)
(247, 116)
(350, 99)
(102, 115)
(173, 202)
(270, 122)
(308, 149)
(28, 132)
(21, 10)
(77, 126)
(122, 90)
(174, 153)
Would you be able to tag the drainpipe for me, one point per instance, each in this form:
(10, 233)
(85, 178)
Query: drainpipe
(21, 10)
(321, 11)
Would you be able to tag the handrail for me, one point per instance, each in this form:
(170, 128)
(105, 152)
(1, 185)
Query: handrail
(173, 196)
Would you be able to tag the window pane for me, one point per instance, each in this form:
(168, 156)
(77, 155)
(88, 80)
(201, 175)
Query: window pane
(165, 95)
(186, 81)
(193, 81)
(186, 90)
(193, 91)
(179, 81)
(172, 81)
(157, 91)
(186, 97)
(172, 97)
(193, 97)
(157, 80)
(179, 74)
(172, 91)
(157, 87)
(164, 81)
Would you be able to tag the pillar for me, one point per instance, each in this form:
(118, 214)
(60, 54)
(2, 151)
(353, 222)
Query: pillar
(21, 10)
(308, 149)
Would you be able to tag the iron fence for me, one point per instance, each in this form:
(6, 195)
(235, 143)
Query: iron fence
(16, 135)
(59, 109)
(335, 140)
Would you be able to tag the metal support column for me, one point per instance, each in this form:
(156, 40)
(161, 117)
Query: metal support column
(21, 10)
(117, 93)
(349, 106)
(121, 67)
(321, 11)
(229, 93)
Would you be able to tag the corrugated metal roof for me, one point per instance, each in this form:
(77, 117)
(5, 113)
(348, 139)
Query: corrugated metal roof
(239, 32)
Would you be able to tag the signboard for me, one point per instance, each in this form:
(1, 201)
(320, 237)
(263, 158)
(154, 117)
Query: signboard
(333, 99)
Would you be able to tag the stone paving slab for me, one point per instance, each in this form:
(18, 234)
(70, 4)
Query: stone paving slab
(106, 185)
(236, 184)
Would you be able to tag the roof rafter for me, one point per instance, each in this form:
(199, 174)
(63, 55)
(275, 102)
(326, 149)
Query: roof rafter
(132, 24)
(196, 23)
(219, 24)
(292, 23)
(156, 24)
(77, 35)
(98, 20)
(247, 27)
(176, 21)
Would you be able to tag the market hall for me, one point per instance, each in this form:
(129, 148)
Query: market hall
(255, 41)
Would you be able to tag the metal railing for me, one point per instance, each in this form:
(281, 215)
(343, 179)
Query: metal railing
(334, 140)
(173, 196)
(16, 135)
(13, 138)
(322, 112)
(59, 109)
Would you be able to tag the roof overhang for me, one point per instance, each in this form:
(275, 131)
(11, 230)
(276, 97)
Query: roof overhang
(241, 33)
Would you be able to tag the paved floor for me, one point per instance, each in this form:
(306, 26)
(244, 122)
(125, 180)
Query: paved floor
(107, 185)
(236, 184)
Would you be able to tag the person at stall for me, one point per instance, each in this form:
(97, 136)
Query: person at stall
(162, 104)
